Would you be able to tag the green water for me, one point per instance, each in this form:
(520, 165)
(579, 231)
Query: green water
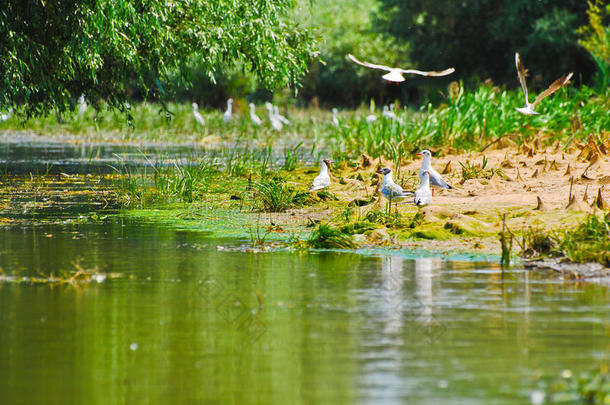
(196, 320)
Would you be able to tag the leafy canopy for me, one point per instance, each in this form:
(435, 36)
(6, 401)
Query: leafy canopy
(51, 52)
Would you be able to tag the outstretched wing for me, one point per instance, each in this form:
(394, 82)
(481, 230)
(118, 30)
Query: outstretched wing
(369, 65)
(522, 74)
(556, 85)
(432, 73)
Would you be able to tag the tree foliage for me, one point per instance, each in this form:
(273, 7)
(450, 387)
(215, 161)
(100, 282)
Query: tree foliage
(596, 39)
(480, 37)
(51, 52)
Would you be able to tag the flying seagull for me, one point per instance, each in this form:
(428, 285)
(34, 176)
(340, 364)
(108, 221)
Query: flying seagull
(423, 195)
(391, 190)
(426, 166)
(322, 180)
(197, 114)
(395, 74)
(528, 109)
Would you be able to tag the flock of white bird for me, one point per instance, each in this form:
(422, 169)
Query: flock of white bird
(389, 189)
(428, 176)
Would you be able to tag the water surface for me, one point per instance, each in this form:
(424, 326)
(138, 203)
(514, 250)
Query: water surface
(195, 319)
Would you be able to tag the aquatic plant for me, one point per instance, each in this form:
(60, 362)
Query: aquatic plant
(326, 237)
(587, 387)
(274, 194)
(588, 242)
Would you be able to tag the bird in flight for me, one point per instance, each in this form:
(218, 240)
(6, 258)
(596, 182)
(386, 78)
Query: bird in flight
(396, 74)
(528, 109)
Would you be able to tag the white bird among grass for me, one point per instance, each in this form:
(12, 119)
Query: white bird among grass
(423, 195)
(396, 74)
(5, 117)
(226, 117)
(82, 105)
(426, 166)
(528, 109)
(255, 119)
(322, 180)
(335, 117)
(390, 190)
(275, 123)
(280, 117)
(197, 114)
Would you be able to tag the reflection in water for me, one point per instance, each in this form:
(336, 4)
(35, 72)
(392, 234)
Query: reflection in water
(393, 295)
(427, 279)
(274, 328)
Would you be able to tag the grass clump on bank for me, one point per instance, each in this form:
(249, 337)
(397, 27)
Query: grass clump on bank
(274, 194)
(588, 242)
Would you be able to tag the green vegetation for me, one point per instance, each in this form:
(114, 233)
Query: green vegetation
(326, 237)
(479, 38)
(590, 387)
(273, 194)
(587, 242)
(52, 52)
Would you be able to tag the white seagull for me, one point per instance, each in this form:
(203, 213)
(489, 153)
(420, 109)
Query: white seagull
(371, 118)
(322, 180)
(82, 105)
(528, 109)
(396, 74)
(280, 117)
(335, 118)
(391, 190)
(275, 123)
(423, 195)
(426, 166)
(226, 117)
(197, 114)
(5, 117)
(255, 120)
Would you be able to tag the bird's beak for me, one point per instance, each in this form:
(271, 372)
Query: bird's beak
(418, 154)
(379, 171)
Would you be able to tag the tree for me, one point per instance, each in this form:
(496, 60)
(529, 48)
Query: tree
(52, 51)
(480, 37)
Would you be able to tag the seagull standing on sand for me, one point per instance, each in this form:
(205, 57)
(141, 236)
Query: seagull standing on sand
(226, 117)
(197, 114)
(335, 118)
(255, 120)
(396, 74)
(423, 195)
(322, 180)
(528, 109)
(391, 190)
(426, 166)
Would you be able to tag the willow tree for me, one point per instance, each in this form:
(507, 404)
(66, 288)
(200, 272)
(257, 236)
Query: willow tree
(52, 51)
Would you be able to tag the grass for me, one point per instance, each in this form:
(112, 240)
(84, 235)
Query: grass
(588, 242)
(273, 194)
(468, 120)
(326, 237)
(476, 171)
